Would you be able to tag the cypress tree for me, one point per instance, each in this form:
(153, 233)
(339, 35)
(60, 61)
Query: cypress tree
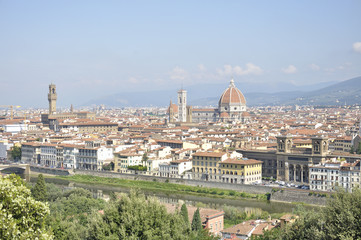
(39, 190)
(197, 222)
(359, 148)
(184, 213)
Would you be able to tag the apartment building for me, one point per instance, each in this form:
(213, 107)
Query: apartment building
(244, 171)
(126, 158)
(175, 169)
(330, 175)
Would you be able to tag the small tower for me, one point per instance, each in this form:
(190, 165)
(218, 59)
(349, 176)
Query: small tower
(284, 144)
(52, 98)
(171, 112)
(71, 108)
(189, 113)
(182, 105)
(319, 145)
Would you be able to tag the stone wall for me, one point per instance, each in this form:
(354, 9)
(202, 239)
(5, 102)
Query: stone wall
(293, 195)
(53, 171)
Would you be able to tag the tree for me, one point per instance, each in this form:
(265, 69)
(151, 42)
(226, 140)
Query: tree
(39, 190)
(358, 151)
(145, 158)
(16, 153)
(184, 213)
(197, 222)
(340, 219)
(109, 167)
(70, 212)
(21, 216)
(352, 151)
(135, 217)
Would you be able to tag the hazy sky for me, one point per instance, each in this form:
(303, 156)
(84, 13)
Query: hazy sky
(95, 48)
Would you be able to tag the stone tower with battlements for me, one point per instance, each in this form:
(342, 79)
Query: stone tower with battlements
(52, 99)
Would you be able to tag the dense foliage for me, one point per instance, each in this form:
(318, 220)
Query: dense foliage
(340, 219)
(21, 216)
(196, 222)
(75, 214)
(16, 153)
(137, 168)
(70, 212)
(135, 217)
(184, 213)
(39, 191)
(108, 167)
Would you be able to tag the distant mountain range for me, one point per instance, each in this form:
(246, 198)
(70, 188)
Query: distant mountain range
(345, 92)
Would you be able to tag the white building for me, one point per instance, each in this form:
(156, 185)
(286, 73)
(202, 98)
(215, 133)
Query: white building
(175, 169)
(48, 155)
(70, 155)
(30, 153)
(333, 174)
(14, 127)
(153, 164)
(93, 158)
(4, 147)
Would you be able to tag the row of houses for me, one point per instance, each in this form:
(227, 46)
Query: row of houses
(157, 160)
(333, 174)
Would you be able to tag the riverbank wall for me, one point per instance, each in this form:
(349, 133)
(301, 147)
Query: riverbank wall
(51, 171)
(276, 194)
(299, 196)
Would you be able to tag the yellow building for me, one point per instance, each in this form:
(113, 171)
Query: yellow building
(206, 165)
(241, 171)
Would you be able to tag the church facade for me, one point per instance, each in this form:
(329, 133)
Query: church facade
(231, 108)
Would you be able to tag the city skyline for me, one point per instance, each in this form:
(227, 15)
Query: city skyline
(91, 49)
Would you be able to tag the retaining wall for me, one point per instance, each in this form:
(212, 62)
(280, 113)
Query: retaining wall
(290, 195)
(53, 171)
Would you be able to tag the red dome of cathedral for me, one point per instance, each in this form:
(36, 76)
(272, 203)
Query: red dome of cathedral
(232, 95)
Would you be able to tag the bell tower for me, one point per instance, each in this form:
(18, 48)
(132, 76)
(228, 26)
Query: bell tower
(182, 105)
(52, 98)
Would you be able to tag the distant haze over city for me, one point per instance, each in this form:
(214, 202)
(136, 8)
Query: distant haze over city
(146, 50)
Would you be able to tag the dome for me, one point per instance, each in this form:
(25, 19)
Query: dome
(232, 95)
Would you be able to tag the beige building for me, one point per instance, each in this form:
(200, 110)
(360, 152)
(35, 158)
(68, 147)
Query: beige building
(126, 158)
(90, 126)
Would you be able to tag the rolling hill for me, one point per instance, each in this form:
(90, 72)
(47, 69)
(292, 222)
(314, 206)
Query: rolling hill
(346, 92)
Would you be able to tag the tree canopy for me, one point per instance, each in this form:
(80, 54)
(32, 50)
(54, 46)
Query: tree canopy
(340, 219)
(39, 191)
(197, 222)
(184, 213)
(16, 153)
(21, 216)
(135, 217)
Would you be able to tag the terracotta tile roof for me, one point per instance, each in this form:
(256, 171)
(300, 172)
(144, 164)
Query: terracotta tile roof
(209, 154)
(242, 161)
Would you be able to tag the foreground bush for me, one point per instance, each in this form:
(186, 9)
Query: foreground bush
(21, 216)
